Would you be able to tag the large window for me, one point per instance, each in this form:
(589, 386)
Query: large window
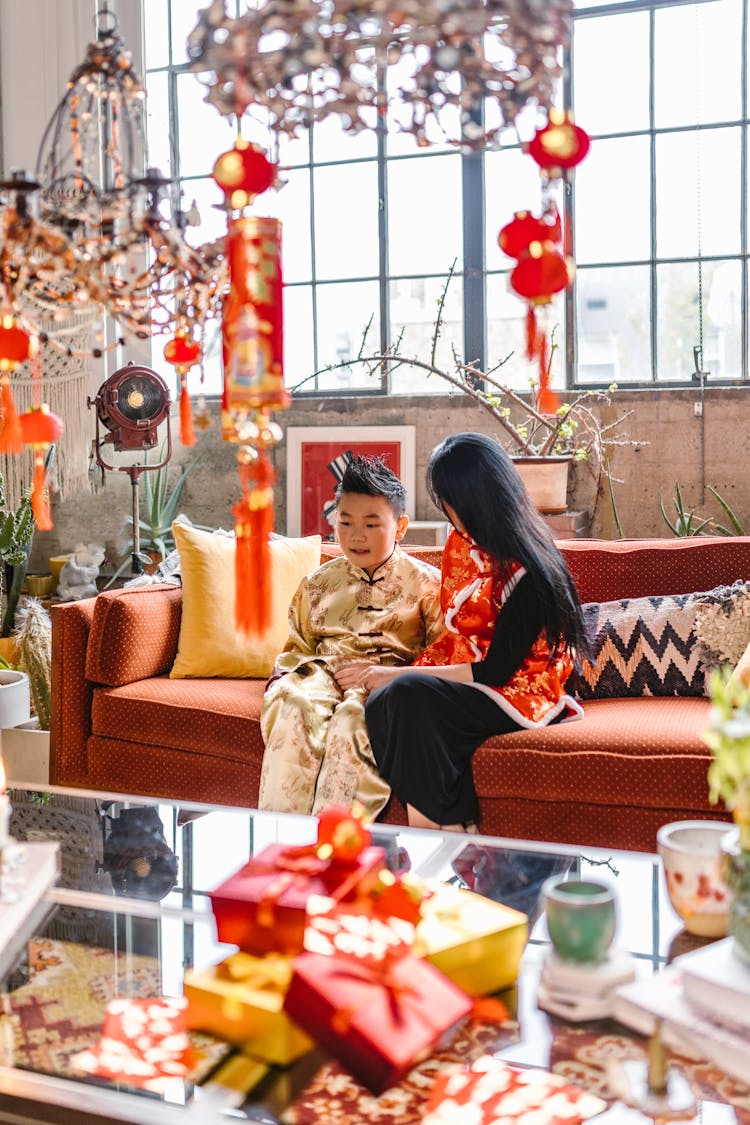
(372, 225)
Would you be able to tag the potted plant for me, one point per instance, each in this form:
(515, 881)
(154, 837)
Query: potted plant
(16, 534)
(728, 738)
(25, 744)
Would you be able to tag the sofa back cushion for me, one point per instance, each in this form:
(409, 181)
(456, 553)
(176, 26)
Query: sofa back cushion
(605, 571)
(133, 634)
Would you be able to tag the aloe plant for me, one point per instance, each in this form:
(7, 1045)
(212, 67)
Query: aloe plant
(736, 527)
(685, 523)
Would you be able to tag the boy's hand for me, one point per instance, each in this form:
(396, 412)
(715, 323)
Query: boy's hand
(365, 677)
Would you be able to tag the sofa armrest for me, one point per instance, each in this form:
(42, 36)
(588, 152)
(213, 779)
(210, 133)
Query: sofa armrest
(70, 711)
(134, 634)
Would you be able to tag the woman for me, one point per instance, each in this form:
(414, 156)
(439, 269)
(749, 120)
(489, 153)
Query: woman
(513, 625)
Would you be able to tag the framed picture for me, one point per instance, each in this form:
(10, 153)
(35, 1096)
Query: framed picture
(315, 458)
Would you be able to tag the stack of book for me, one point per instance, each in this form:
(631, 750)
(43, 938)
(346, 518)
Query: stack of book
(702, 1001)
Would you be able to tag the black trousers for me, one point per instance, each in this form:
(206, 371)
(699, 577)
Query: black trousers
(423, 732)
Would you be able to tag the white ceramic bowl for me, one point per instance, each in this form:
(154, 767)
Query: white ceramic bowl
(690, 851)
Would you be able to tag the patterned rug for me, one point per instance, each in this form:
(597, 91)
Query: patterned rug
(59, 1011)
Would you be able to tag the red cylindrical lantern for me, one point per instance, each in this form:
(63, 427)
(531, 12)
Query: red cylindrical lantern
(17, 344)
(40, 428)
(183, 352)
(560, 145)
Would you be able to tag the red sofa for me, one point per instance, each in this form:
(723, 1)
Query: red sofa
(120, 724)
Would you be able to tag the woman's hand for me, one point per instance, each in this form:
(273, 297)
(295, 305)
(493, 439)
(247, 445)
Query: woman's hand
(365, 677)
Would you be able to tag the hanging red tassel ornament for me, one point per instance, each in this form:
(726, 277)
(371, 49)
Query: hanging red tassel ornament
(252, 337)
(17, 344)
(253, 524)
(541, 272)
(183, 352)
(560, 145)
(40, 429)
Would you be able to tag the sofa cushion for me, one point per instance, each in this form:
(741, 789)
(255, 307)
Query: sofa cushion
(722, 624)
(209, 643)
(216, 718)
(133, 634)
(640, 646)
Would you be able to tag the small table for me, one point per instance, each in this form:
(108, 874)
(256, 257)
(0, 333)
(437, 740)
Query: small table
(96, 943)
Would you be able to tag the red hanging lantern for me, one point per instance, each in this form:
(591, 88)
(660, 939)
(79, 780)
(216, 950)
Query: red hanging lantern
(183, 352)
(40, 428)
(17, 344)
(560, 145)
(540, 273)
(524, 228)
(243, 172)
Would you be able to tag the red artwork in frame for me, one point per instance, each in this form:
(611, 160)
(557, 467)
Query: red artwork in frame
(313, 470)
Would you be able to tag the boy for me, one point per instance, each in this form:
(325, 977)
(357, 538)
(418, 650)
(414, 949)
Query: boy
(374, 604)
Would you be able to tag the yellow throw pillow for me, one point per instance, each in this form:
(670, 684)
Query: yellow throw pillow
(209, 643)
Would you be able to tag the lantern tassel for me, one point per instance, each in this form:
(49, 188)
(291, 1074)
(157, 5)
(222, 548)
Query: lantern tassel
(11, 437)
(532, 333)
(253, 524)
(547, 401)
(40, 496)
(187, 429)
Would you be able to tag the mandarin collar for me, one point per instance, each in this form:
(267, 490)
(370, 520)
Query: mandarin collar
(383, 571)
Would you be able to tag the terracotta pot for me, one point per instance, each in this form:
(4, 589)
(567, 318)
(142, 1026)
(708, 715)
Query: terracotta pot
(546, 481)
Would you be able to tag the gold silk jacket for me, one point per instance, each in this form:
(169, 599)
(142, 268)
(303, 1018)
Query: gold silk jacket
(340, 614)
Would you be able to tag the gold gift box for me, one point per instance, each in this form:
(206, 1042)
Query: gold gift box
(241, 1000)
(474, 941)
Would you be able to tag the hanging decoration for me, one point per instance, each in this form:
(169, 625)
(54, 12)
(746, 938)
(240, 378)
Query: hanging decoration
(304, 62)
(541, 246)
(41, 429)
(252, 345)
(182, 352)
(17, 344)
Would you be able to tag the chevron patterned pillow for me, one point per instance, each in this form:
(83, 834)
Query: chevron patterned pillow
(641, 646)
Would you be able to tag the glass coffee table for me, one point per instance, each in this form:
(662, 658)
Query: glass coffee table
(130, 914)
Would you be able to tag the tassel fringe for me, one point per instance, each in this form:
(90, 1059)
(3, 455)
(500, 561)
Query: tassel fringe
(40, 496)
(11, 438)
(187, 429)
(253, 515)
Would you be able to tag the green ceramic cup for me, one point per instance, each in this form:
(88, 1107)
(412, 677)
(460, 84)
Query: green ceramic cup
(580, 917)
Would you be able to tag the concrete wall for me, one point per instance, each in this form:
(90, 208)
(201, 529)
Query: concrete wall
(662, 421)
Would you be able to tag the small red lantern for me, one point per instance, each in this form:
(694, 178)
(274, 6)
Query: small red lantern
(525, 228)
(243, 172)
(40, 429)
(17, 345)
(560, 145)
(183, 352)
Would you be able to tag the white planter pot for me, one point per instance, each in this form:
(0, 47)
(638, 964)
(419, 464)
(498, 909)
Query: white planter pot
(546, 481)
(25, 752)
(15, 698)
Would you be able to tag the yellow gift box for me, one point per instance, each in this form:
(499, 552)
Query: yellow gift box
(241, 1000)
(474, 941)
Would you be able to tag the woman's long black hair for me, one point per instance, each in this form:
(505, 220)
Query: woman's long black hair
(473, 475)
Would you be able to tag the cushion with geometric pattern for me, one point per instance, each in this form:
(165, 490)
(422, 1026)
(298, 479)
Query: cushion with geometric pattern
(640, 646)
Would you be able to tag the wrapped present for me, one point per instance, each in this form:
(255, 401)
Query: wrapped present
(491, 1091)
(263, 907)
(241, 1000)
(476, 942)
(379, 1018)
(338, 929)
(143, 1043)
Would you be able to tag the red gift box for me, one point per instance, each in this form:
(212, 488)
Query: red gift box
(379, 1018)
(262, 908)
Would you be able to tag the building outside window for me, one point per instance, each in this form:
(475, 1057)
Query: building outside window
(372, 225)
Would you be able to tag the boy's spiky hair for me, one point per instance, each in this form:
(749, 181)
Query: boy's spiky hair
(370, 476)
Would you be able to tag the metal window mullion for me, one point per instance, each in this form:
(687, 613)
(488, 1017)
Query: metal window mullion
(313, 267)
(653, 287)
(743, 199)
(570, 303)
(474, 265)
(384, 285)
